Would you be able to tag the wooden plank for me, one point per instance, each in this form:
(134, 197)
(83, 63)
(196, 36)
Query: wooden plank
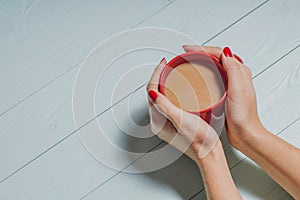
(62, 37)
(166, 183)
(264, 35)
(259, 37)
(198, 19)
(57, 175)
(37, 123)
(23, 20)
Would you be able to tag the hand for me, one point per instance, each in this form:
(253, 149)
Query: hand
(241, 108)
(185, 131)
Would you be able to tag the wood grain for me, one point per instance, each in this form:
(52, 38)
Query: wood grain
(40, 151)
(59, 39)
(57, 105)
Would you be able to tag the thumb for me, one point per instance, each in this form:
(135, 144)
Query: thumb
(186, 123)
(166, 107)
(233, 68)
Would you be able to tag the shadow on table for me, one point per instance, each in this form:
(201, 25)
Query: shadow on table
(184, 178)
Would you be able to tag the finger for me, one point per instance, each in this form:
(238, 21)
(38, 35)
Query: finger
(166, 108)
(236, 81)
(247, 74)
(154, 80)
(186, 123)
(213, 50)
(238, 58)
(157, 120)
(164, 128)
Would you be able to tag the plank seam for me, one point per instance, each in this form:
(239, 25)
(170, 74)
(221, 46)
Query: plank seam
(41, 88)
(276, 61)
(110, 178)
(196, 194)
(158, 11)
(66, 137)
(235, 22)
(77, 64)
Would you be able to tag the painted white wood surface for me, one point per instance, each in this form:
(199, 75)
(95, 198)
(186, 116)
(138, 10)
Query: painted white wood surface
(50, 37)
(58, 122)
(75, 28)
(59, 112)
(46, 125)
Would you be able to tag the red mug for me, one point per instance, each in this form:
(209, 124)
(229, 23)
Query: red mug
(214, 113)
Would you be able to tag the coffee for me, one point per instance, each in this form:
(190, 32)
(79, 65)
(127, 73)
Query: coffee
(194, 86)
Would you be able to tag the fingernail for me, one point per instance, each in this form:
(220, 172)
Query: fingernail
(238, 58)
(153, 95)
(186, 45)
(227, 52)
(164, 59)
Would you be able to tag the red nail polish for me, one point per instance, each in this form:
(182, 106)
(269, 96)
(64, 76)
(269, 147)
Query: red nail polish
(238, 58)
(164, 59)
(227, 52)
(153, 95)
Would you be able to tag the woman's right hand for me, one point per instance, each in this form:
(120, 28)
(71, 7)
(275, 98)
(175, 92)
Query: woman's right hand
(241, 107)
(245, 131)
(185, 131)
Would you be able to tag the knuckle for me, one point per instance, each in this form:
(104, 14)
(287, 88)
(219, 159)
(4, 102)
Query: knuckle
(247, 71)
(233, 68)
(232, 64)
(218, 48)
(151, 86)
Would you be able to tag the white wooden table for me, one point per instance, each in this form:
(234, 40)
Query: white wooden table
(42, 46)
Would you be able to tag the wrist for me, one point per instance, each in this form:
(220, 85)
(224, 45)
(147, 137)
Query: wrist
(248, 135)
(212, 157)
(216, 175)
